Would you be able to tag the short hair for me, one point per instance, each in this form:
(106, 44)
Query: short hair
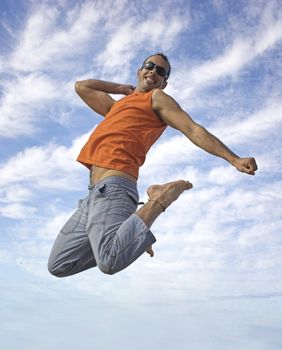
(163, 56)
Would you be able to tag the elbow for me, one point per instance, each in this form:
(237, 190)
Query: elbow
(77, 86)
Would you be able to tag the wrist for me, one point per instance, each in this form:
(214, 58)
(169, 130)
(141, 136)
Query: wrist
(125, 89)
(234, 160)
(121, 89)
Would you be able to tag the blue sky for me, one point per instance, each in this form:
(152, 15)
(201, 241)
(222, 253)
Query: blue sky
(215, 280)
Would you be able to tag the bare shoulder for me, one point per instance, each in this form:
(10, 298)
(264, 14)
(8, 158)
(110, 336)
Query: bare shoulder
(162, 101)
(170, 112)
(159, 95)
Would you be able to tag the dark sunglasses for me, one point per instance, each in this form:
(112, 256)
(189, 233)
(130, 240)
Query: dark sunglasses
(151, 66)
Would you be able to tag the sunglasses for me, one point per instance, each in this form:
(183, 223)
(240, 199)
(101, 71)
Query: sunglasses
(151, 66)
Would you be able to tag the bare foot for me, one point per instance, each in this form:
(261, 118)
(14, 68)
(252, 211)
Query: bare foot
(168, 193)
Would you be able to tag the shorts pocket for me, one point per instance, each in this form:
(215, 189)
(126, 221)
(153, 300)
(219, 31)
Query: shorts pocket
(130, 203)
(111, 191)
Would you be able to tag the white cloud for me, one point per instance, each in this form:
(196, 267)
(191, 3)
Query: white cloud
(23, 102)
(47, 167)
(16, 202)
(50, 166)
(48, 43)
(235, 57)
(15, 193)
(159, 30)
(45, 43)
(223, 175)
(17, 211)
(52, 225)
(256, 126)
(169, 154)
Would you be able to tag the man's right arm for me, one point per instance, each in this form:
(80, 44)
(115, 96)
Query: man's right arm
(95, 93)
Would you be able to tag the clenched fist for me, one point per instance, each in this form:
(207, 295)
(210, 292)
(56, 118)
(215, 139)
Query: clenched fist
(246, 165)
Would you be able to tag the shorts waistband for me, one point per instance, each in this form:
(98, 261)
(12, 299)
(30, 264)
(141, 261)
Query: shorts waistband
(118, 180)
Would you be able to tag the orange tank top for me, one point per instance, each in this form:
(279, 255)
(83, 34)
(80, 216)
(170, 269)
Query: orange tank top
(122, 140)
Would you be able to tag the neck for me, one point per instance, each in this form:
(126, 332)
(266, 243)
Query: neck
(141, 89)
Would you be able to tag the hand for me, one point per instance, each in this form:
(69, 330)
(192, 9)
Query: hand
(126, 89)
(246, 165)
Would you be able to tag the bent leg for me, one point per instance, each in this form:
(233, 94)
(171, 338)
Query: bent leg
(117, 235)
(160, 198)
(71, 252)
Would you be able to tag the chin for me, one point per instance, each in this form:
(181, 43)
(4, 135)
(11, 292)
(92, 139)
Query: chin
(147, 88)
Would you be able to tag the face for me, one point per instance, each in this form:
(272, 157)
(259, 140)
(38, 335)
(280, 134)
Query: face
(150, 78)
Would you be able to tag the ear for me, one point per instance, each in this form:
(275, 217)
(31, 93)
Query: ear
(138, 73)
(164, 84)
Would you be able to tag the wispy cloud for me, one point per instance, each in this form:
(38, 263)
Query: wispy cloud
(49, 40)
(159, 30)
(24, 99)
(239, 53)
(49, 167)
(17, 211)
(255, 126)
(14, 202)
(45, 45)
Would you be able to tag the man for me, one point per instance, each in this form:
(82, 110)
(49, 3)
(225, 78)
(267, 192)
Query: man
(106, 230)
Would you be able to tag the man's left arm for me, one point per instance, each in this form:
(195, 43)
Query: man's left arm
(173, 115)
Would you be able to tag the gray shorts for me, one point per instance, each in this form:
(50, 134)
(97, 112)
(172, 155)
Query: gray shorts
(104, 231)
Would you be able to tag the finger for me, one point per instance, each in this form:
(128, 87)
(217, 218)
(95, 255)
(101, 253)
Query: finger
(188, 185)
(245, 170)
(255, 165)
(248, 171)
(252, 169)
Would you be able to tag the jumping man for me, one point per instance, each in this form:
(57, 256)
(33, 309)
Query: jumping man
(106, 230)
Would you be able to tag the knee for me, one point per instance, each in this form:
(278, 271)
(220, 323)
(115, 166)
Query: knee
(59, 270)
(108, 269)
(54, 270)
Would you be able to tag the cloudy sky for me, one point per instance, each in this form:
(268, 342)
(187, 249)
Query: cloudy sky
(215, 281)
